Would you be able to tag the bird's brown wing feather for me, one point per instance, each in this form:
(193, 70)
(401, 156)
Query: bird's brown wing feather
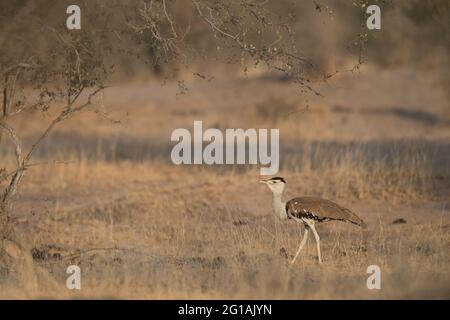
(321, 210)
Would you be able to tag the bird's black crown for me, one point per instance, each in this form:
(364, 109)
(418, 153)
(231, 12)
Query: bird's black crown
(278, 179)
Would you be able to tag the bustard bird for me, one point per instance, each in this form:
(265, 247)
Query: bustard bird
(307, 210)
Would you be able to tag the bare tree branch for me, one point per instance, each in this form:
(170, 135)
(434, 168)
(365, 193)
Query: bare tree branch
(67, 112)
(10, 190)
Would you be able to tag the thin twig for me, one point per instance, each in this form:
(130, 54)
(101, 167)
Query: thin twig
(168, 19)
(68, 111)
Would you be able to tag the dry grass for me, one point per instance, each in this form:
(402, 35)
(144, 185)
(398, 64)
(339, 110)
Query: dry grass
(140, 227)
(160, 232)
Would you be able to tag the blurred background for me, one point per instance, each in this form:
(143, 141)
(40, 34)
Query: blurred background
(414, 33)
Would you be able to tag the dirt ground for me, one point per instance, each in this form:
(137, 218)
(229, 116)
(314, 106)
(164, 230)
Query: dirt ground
(108, 199)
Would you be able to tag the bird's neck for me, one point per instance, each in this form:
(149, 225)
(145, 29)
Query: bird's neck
(278, 206)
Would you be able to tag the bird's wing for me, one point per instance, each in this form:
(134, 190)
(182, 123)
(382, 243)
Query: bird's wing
(321, 210)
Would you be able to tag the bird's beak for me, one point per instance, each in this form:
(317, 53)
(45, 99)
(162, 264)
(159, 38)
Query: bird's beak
(263, 181)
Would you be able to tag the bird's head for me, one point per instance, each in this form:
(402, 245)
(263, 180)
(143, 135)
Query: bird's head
(276, 184)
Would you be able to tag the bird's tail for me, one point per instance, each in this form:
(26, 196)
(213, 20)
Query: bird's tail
(355, 219)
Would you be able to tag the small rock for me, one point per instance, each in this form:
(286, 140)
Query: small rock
(399, 221)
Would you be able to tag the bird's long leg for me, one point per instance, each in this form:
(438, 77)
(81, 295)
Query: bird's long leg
(302, 244)
(316, 235)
